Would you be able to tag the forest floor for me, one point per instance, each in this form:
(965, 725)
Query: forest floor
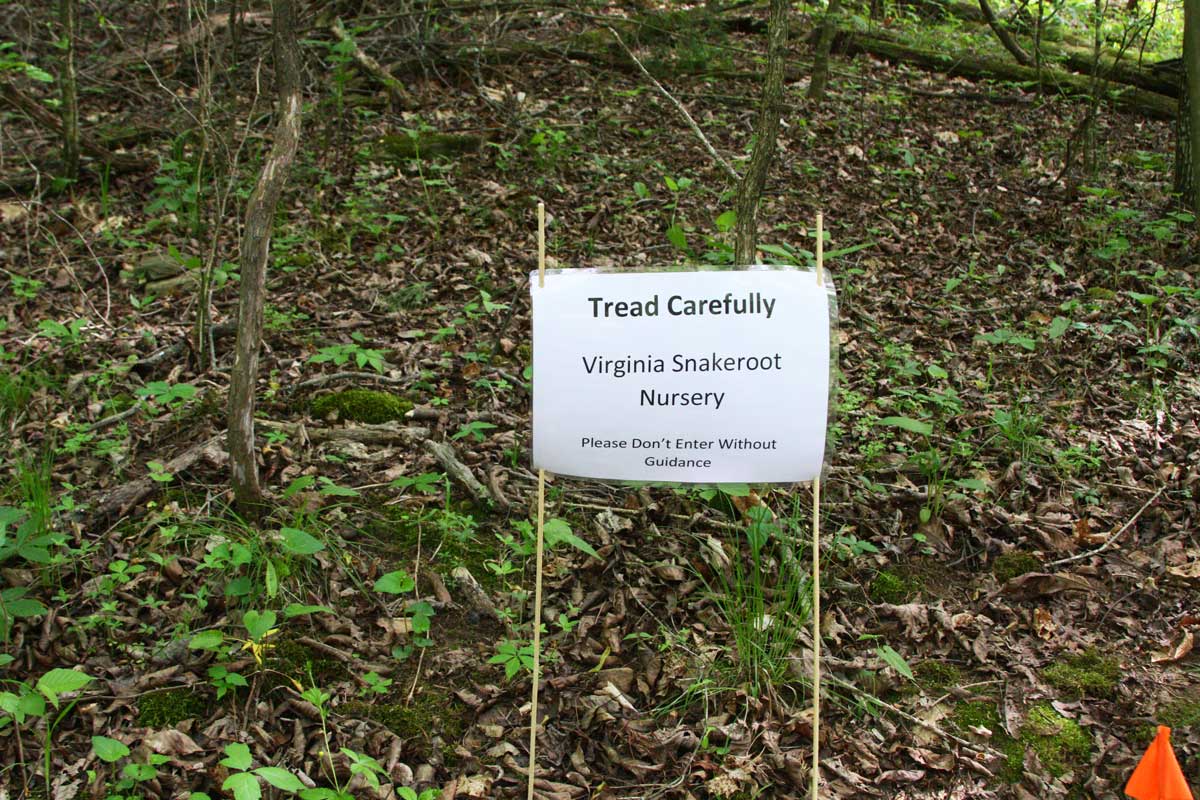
(1011, 557)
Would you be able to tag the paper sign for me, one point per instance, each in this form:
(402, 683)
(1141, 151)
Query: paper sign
(688, 377)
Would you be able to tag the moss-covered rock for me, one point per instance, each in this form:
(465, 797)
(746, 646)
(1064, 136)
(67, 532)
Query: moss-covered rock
(1086, 675)
(168, 708)
(892, 587)
(1010, 565)
(361, 405)
(1060, 743)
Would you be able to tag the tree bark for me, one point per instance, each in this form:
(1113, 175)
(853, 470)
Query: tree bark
(766, 132)
(1006, 38)
(256, 244)
(1191, 129)
(68, 13)
(825, 34)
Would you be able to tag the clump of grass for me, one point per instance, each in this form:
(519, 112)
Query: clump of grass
(1086, 675)
(362, 405)
(1010, 565)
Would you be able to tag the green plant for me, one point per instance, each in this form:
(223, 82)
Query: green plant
(110, 751)
(10, 63)
(550, 146)
(66, 333)
(514, 656)
(475, 429)
(763, 596)
(341, 354)
(167, 395)
(29, 702)
(24, 289)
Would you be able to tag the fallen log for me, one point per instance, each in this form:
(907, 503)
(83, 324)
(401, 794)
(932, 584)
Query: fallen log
(1120, 96)
(20, 101)
(121, 500)
(399, 93)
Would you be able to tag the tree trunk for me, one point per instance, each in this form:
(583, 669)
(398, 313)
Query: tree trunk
(68, 14)
(1191, 58)
(1184, 183)
(820, 73)
(766, 131)
(256, 245)
(1006, 39)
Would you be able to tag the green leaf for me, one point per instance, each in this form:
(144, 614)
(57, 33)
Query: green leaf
(25, 607)
(300, 542)
(280, 779)
(398, 582)
(735, 489)
(894, 660)
(331, 489)
(558, 530)
(726, 221)
(60, 681)
(678, 238)
(1058, 326)
(258, 624)
(206, 640)
(109, 750)
(243, 785)
(908, 424)
(237, 756)
(299, 485)
(298, 610)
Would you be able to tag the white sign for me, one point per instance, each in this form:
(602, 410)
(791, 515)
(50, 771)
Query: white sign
(688, 377)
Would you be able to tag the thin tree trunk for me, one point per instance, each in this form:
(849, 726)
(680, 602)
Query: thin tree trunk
(766, 131)
(256, 244)
(1191, 130)
(1006, 38)
(68, 13)
(820, 73)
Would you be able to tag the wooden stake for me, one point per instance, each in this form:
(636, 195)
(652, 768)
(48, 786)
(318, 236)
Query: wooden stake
(816, 612)
(816, 557)
(820, 249)
(541, 244)
(541, 527)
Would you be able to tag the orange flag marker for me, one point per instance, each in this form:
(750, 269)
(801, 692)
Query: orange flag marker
(1158, 776)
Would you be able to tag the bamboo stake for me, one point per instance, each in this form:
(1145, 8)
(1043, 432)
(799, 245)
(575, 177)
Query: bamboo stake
(541, 525)
(816, 557)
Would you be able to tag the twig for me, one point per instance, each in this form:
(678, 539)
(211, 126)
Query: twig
(678, 107)
(321, 380)
(1111, 540)
(115, 418)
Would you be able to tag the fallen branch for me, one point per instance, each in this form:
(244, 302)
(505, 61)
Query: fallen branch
(119, 501)
(1111, 540)
(386, 433)
(446, 456)
(372, 67)
(712, 151)
(324, 380)
(18, 100)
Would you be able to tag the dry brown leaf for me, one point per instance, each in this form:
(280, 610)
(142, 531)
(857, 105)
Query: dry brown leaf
(172, 742)
(1043, 624)
(1043, 584)
(1176, 653)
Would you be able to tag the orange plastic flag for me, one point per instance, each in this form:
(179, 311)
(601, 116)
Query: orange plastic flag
(1158, 776)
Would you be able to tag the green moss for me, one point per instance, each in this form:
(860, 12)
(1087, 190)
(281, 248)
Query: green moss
(1182, 712)
(430, 714)
(1086, 675)
(1009, 565)
(362, 405)
(289, 660)
(936, 675)
(1060, 743)
(981, 713)
(892, 587)
(395, 147)
(168, 709)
